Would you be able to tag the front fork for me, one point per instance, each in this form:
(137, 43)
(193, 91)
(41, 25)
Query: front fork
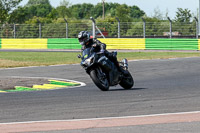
(101, 74)
(125, 63)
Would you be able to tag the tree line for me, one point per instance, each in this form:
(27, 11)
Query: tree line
(42, 10)
(10, 12)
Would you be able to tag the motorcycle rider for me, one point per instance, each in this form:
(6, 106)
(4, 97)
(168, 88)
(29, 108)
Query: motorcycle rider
(86, 41)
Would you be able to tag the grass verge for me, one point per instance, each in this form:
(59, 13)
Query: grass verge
(23, 59)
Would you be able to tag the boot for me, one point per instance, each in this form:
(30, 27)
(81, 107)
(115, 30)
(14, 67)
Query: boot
(114, 59)
(120, 69)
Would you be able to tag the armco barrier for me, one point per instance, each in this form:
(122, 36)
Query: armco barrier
(172, 44)
(71, 43)
(123, 43)
(24, 43)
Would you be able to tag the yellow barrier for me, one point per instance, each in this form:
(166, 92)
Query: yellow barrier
(123, 43)
(24, 43)
(199, 43)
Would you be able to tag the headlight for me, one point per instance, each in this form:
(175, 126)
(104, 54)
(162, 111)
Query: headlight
(88, 61)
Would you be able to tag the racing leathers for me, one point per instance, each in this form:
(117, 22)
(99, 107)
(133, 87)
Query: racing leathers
(101, 47)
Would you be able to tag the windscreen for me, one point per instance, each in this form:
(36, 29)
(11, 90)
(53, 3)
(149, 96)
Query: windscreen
(86, 53)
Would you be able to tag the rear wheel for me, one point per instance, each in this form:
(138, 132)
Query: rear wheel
(100, 79)
(127, 82)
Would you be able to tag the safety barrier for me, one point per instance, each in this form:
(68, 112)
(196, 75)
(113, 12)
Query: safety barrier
(172, 44)
(199, 43)
(124, 43)
(71, 43)
(23, 43)
(112, 43)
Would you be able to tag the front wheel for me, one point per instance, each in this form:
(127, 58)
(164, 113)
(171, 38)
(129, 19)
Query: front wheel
(99, 79)
(127, 82)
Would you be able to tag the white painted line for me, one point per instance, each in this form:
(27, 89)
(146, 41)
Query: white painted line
(103, 118)
(81, 83)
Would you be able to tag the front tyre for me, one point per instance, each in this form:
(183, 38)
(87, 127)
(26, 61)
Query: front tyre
(100, 80)
(127, 82)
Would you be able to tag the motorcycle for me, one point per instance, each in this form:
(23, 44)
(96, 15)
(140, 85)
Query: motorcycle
(103, 72)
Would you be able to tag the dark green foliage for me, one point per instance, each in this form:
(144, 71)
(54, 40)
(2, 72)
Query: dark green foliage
(43, 9)
(136, 12)
(54, 26)
(81, 11)
(183, 15)
(62, 12)
(19, 16)
(37, 2)
(5, 7)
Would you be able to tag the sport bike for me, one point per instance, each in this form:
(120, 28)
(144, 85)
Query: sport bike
(103, 72)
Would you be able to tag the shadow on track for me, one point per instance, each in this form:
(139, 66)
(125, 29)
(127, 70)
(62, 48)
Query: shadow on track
(133, 89)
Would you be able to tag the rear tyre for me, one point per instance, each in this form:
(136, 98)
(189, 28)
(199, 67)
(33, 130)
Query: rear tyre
(100, 80)
(127, 82)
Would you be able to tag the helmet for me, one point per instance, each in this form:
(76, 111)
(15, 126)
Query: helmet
(83, 37)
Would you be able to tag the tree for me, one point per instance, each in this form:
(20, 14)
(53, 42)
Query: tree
(157, 14)
(136, 12)
(98, 10)
(63, 11)
(37, 2)
(6, 7)
(166, 14)
(112, 9)
(81, 11)
(19, 15)
(123, 13)
(75, 10)
(39, 8)
(35, 19)
(53, 14)
(183, 15)
(65, 3)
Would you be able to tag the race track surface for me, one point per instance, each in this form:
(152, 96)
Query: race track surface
(161, 86)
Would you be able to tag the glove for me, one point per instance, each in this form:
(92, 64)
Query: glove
(94, 45)
(102, 51)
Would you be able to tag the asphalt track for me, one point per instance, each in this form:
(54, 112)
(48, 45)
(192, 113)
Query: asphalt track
(161, 86)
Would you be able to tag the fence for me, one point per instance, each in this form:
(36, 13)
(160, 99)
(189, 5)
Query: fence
(167, 29)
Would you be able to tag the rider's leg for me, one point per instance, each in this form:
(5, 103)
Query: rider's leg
(113, 57)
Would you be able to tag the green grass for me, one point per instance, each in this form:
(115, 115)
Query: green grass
(156, 55)
(22, 59)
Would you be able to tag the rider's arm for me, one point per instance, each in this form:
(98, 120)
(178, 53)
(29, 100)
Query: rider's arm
(100, 44)
(82, 48)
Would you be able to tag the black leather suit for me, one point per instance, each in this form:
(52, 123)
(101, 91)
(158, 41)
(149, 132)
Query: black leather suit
(99, 46)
